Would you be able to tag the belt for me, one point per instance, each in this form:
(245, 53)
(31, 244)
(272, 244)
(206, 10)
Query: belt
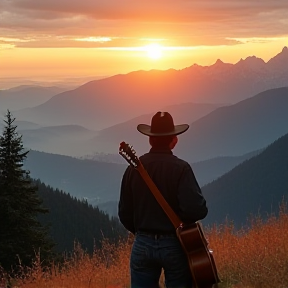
(157, 235)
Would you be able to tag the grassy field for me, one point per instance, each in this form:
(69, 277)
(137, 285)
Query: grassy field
(257, 258)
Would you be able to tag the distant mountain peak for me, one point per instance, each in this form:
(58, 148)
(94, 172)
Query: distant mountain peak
(283, 53)
(251, 62)
(279, 61)
(219, 62)
(254, 59)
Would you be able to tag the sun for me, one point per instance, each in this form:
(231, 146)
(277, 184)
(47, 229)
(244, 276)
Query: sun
(154, 51)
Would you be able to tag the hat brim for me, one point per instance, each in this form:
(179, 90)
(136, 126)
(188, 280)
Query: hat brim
(146, 130)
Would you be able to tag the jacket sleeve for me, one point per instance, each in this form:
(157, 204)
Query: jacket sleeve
(192, 203)
(125, 205)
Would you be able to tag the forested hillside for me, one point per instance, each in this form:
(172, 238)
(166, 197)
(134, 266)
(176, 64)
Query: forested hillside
(257, 186)
(72, 220)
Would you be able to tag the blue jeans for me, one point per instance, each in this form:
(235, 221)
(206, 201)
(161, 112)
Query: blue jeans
(150, 254)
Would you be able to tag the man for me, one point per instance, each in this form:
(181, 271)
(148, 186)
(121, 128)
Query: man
(156, 245)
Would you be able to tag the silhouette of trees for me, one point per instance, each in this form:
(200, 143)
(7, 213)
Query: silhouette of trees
(73, 220)
(24, 220)
(22, 235)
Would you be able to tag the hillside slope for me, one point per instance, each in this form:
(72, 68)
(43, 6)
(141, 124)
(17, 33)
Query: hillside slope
(96, 181)
(258, 185)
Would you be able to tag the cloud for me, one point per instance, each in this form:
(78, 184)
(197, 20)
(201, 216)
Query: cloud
(126, 22)
(151, 10)
(257, 39)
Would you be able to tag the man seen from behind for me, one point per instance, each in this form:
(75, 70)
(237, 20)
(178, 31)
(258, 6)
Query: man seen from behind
(156, 245)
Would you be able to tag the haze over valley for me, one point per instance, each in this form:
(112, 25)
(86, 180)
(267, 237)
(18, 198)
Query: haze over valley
(235, 111)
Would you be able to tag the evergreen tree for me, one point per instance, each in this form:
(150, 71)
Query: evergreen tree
(22, 235)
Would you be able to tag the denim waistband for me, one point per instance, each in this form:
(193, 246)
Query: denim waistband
(157, 235)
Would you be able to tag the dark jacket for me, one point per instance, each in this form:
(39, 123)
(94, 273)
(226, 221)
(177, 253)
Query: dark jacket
(138, 210)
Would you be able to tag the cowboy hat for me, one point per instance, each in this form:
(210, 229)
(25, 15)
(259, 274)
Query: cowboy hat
(162, 124)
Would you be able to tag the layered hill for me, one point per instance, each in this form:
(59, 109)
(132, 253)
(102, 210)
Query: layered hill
(246, 126)
(233, 130)
(84, 179)
(26, 96)
(62, 139)
(99, 181)
(255, 187)
(75, 140)
(107, 140)
(209, 170)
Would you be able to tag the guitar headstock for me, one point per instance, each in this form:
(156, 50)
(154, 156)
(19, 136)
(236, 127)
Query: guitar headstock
(129, 154)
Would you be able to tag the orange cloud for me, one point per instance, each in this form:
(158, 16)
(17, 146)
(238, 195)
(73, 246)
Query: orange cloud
(57, 23)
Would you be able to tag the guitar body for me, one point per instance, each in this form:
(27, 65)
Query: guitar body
(201, 261)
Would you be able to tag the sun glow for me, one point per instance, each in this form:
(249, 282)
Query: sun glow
(154, 51)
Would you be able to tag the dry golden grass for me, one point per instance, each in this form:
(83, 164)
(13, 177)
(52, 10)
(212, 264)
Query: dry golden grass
(257, 258)
(254, 259)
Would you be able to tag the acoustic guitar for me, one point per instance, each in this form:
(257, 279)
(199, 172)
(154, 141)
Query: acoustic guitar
(191, 236)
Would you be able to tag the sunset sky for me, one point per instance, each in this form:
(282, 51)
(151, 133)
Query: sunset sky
(58, 39)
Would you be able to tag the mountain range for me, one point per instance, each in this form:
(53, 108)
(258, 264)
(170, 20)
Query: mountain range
(236, 143)
(105, 102)
(232, 130)
(215, 130)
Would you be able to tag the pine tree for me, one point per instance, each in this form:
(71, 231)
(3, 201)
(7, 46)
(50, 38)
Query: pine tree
(22, 236)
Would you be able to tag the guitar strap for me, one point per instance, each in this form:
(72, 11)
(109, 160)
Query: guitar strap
(161, 200)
